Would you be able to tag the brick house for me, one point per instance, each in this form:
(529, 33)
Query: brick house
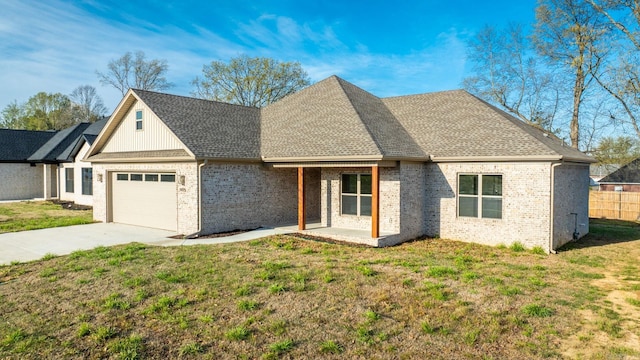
(383, 170)
(625, 178)
(42, 164)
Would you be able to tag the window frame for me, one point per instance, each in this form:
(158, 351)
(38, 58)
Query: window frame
(87, 183)
(479, 196)
(358, 195)
(69, 181)
(139, 118)
(168, 178)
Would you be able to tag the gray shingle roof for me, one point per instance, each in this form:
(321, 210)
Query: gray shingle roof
(18, 145)
(458, 124)
(88, 135)
(209, 129)
(629, 173)
(334, 119)
(49, 152)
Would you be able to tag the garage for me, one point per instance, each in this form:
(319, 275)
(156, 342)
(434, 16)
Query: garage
(144, 199)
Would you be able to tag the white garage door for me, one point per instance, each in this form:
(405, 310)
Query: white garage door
(144, 199)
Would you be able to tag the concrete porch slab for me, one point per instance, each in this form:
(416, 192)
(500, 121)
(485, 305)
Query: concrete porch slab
(349, 235)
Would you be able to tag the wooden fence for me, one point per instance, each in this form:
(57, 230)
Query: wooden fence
(614, 205)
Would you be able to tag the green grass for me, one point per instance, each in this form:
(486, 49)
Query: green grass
(191, 349)
(517, 247)
(536, 310)
(281, 347)
(32, 215)
(331, 347)
(238, 333)
(248, 305)
(285, 297)
(129, 348)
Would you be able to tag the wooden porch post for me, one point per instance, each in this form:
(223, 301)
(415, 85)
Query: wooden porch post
(301, 200)
(375, 201)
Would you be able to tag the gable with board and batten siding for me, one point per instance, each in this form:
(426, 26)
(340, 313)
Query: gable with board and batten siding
(153, 136)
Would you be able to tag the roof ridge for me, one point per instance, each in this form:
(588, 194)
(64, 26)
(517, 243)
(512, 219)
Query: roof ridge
(426, 93)
(355, 108)
(193, 98)
(33, 131)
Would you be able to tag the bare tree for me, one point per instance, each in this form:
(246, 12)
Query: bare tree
(568, 34)
(621, 78)
(507, 73)
(88, 105)
(250, 81)
(131, 71)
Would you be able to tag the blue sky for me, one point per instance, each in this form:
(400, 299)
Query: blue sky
(385, 47)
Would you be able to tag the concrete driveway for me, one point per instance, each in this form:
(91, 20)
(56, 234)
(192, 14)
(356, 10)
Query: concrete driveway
(33, 245)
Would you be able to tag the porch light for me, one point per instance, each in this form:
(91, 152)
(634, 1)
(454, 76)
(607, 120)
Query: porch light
(99, 177)
(181, 180)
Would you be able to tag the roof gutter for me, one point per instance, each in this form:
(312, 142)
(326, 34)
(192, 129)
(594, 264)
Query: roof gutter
(495, 158)
(323, 158)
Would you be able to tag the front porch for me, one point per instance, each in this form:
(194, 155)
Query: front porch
(356, 202)
(315, 228)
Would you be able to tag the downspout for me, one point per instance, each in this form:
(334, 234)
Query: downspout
(552, 196)
(197, 233)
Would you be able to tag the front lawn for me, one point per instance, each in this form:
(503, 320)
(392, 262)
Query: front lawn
(31, 215)
(286, 297)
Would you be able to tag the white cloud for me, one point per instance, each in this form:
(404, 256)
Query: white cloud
(57, 46)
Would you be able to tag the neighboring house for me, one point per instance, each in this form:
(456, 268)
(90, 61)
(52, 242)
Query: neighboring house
(598, 171)
(20, 178)
(384, 169)
(76, 175)
(626, 178)
(31, 162)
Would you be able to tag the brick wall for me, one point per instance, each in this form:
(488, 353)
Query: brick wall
(389, 200)
(525, 204)
(571, 195)
(413, 199)
(245, 196)
(625, 187)
(21, 181)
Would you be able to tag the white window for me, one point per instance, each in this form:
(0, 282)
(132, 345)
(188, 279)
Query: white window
(356, 194)
(480, 196)
(139, 120)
